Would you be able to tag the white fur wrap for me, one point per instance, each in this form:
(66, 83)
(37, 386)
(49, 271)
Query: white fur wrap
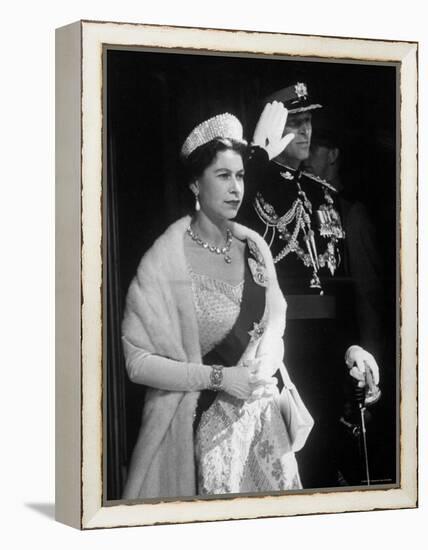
(160, 318)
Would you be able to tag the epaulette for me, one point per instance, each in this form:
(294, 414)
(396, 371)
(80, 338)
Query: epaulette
(291, 173)
(319, 180)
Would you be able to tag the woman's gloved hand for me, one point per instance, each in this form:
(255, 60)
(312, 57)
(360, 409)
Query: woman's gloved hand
(253, 380)
(236, 382)
(262, 370)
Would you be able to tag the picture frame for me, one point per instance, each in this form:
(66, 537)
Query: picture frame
(81, 248)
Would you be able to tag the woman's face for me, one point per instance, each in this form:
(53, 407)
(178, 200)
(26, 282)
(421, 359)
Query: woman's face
(220, 188)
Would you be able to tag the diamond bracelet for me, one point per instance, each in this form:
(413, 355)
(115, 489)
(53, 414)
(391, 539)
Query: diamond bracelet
(216, 377)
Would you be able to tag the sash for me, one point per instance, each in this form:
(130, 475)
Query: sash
(229, 351)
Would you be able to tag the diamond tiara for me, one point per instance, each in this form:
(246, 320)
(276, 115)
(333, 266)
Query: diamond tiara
(220, 126)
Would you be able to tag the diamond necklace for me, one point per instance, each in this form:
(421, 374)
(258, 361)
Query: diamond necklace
(215, 249)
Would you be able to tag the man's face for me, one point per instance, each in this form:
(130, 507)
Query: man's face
(301, 125)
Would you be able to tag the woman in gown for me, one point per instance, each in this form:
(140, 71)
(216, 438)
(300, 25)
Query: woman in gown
(202, 329)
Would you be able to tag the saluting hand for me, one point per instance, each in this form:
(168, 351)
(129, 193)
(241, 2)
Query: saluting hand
(270, 128)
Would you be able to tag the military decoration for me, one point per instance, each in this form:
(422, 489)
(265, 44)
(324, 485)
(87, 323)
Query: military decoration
(295, 229)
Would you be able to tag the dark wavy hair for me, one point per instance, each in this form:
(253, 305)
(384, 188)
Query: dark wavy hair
(195, 164)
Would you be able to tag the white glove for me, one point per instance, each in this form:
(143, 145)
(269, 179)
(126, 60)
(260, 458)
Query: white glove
(269, 129)
(358, 360)
(262, 369)
(166, 374)
(262, 380)
(236, 382)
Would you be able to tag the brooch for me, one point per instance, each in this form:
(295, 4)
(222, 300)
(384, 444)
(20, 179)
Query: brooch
(258, 271)
(257, 331)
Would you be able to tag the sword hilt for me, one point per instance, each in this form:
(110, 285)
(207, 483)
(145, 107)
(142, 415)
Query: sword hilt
(360, 395)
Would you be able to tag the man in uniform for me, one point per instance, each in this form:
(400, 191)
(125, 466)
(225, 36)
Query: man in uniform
(299, 218)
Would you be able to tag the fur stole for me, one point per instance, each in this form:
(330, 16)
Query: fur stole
(160, 318)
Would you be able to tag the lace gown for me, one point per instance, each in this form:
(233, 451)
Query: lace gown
(240, 446)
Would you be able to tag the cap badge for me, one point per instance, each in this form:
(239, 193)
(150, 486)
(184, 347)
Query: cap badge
(300, 89)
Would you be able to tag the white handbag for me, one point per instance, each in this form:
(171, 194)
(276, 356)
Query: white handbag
(297, 418)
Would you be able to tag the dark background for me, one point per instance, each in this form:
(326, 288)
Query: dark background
(153, 100)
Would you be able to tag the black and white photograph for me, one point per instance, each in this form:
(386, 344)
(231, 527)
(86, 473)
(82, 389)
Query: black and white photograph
(214, 219)
(251, 275)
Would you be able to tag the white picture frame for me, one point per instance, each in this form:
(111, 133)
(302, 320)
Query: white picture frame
(79, 272)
